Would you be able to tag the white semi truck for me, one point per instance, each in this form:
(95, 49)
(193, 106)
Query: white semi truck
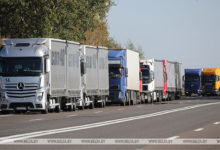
(161, 80)
(41, 74)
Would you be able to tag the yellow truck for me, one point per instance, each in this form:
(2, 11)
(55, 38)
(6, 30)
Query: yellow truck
(210, 81)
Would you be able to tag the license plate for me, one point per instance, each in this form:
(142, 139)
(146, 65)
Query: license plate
(20, 108)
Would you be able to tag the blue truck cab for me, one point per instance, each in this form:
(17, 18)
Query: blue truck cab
(117, 75)
(193, 81)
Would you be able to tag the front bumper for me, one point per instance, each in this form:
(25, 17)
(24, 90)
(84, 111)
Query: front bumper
(210, 92)
(116, 96)
(29, 103)
(193, 92)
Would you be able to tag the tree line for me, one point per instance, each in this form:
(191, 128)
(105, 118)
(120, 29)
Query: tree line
(76, 20)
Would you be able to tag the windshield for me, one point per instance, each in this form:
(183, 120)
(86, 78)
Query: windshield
(30, 66)
(146, 76)
(208, 78)
(192, 78)
(115, 72)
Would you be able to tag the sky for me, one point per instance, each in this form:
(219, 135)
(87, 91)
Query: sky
(186, 31)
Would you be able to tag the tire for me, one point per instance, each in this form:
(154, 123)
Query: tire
(44, 111)
(81, 107)
(131, 103)
(23, 111)
(123, 103)
(91, 106)
(101, 105)
(159, 99)
(74, 107)
(106, 99)
(17, 111)
(57, 109)
(128, 100)
(70, 108)
(5, 112)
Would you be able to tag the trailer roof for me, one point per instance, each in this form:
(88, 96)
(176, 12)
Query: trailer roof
(211, 71)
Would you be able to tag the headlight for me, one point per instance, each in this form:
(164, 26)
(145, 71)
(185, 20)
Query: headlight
(119, 95)
(40, 96)
(3, 97)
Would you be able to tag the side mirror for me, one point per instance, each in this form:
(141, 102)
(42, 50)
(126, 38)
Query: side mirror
(126, 72)
(83, 67)
(140, 76)
(48, 65)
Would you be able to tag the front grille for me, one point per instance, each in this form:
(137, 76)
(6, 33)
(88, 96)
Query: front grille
(27, 86)
(14, 105)
(39, 106)
(145, 88)
(3, 106)
(209, 87)
(114, 87)
(13, 91)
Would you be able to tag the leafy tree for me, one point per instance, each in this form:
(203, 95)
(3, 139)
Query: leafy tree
(77, 20)
(64, 19)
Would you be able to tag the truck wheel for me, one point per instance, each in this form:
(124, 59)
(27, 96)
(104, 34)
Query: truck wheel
(74, 107)
(5, 112)
(101, 105)
(24, 111)
(44, 111)
(106, 100)
(91, 106)
(17, 111)
(159, 99)
(82, 107)
(129, 102)
(70, 108)
(123, 103)
(57, 109)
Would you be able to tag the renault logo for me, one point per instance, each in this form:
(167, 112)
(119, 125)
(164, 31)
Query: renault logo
(20, 86)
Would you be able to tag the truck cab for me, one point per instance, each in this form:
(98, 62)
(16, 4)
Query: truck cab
(117, 76)
(147, 69)
(23, 75)
(211, 81)
(192, 81)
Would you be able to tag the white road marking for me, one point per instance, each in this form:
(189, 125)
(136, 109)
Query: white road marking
(5, 115)
(97, 112)
(216, 123)
(199, 129)
(4, 140)
(173, 137)
(35, 120)
(121, 109)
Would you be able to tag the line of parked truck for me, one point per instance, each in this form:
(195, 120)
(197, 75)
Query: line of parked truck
(205, 82)
(45, 74)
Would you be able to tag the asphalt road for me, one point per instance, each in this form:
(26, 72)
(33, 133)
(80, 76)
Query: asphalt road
(195, 117)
